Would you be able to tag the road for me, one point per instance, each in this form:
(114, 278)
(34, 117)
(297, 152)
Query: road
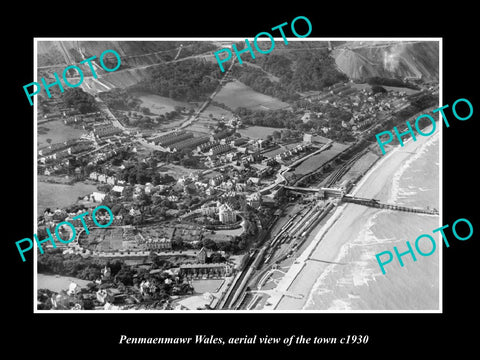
(195, 116)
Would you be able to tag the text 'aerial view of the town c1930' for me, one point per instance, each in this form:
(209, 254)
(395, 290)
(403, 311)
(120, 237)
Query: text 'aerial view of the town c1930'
(260, 188)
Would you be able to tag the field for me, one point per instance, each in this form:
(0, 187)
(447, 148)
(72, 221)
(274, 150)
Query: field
(176, 171)
(109, 239)
(360, 166)
(57, 131)
(258, 132)
(159, 105)
(203, 286)
(58, 283)
(315, 161)
(58, 195)
(236, 94)
(280, 149)
(204, 120)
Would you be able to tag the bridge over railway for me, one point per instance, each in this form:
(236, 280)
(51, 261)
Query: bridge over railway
(340, 193)
(335, 192)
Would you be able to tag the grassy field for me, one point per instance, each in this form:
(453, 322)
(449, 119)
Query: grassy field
(176, 171)
(258, 132)
(281, 149)
(58, 283)
(59, 195)
(159, 105)
(203, 286)
(314, 162)
(360, 166)
(109, 239)
(57, 131)
(204, 120)
(236, 94)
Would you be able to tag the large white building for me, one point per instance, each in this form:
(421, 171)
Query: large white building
(226, 214)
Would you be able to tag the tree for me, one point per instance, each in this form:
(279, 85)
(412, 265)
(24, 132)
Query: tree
(378, 89)
(49, 141)
(209, 244)
(276, 134)
(88, 304)
(125, 276)
(216, 257)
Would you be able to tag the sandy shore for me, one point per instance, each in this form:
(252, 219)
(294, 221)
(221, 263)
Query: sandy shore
(344, 225)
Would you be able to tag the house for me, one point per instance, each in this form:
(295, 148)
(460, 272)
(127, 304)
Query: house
(208, 210)
(111, 180)
(219, 149)
(254, 200)
(307, 138)
(134, 212)
(215, 181)
(158, 244)
(260, 144)
(202, 256)
(172, 138)
(173, 198)
(118, 189)
(207, 270)
(240, 187)
(210, 191)
(148, 188)
(226, 214)
(269, 161)
(253, 181)
(97, 196)
(105, 131)
(227, 185)
(239, 141)
(231, 156)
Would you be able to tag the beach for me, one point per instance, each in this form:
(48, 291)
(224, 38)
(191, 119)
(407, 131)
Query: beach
(338, 270)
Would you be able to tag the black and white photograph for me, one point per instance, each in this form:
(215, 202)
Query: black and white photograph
(260, 187)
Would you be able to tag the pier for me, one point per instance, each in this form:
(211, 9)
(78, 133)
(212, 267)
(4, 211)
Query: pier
(340, 193)
(375, 203)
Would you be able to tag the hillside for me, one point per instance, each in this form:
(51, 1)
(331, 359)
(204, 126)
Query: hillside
(418, 60)
(137, 59)
(132, 53)
(297, 67)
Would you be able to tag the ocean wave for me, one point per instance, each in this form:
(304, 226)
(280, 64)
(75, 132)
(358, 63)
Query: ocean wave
(426, 189)
(356, 272)
(396, 190)
(333, 288)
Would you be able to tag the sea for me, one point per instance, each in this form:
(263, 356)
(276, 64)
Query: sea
(360, 284)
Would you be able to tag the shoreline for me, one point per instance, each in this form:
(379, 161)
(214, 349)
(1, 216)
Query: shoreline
(302, 276)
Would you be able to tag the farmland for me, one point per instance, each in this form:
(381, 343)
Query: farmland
(57, 131)
(236, 94)
(360, 166)
(314, 162)
(205, 120)
(59, 195)
(258, 132)
(159, 105)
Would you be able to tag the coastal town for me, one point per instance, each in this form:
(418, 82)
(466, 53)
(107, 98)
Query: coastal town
(210, 202)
